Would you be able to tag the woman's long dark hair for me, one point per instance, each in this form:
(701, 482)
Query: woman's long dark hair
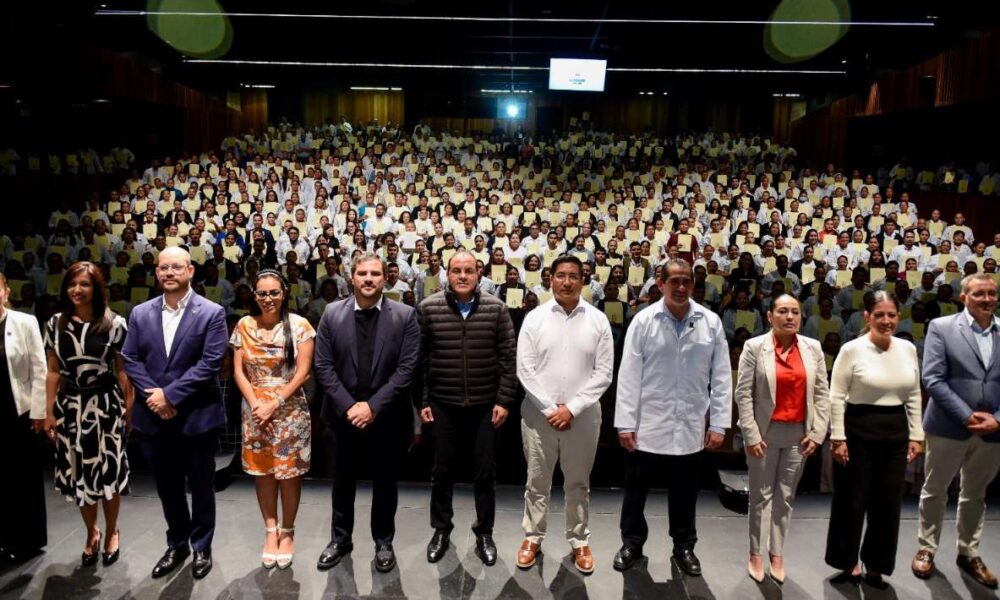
(102, 315)
(286, 322)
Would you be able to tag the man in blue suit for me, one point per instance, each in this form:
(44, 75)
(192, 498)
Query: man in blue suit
(173, 358)
(962, 376)
(367, 349)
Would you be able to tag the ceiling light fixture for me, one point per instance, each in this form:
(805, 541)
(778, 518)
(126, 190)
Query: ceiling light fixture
(260, 86)
(498, 91)
(294, 63)
(375, 88)
(312, 16)
(787, 95)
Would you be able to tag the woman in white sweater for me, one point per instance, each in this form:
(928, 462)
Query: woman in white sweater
(876, 430)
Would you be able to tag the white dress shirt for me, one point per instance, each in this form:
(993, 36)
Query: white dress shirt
(673, 374)
(984, 338)
(565, 358)
(172, 318)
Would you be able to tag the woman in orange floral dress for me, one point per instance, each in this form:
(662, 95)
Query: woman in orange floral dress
(272, 358)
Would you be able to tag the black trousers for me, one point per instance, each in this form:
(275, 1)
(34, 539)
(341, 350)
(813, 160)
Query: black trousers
(870, 485)
(24, 501)
(347, 447)
(458, 430)
(176, 460)
(682, 474)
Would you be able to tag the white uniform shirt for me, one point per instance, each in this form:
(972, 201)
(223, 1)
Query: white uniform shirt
(670, 381)
(565, 358)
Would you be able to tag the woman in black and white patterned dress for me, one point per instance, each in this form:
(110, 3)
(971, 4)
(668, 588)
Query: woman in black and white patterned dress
(89, 398)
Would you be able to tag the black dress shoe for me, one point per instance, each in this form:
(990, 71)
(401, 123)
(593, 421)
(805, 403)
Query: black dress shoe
(486, 550)
(202, 564)
(437, 546)
(875, 580)
(385, 558)
(625, 558)
(688, 562)
(846, 577)
(171, 559)
(333, 553)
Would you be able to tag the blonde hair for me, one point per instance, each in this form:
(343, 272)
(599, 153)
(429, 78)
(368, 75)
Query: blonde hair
(5, 285)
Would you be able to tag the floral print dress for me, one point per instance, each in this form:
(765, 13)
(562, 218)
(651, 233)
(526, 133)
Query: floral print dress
(284, 450)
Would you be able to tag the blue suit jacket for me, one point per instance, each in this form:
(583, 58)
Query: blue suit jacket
(957, 380)
(189, 377)
(394, 359)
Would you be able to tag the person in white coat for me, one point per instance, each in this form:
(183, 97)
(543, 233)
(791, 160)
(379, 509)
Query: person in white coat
(675, 373)
(23, 368)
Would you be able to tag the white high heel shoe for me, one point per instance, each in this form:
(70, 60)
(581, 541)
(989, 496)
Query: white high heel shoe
(267, 559)
(284, 560)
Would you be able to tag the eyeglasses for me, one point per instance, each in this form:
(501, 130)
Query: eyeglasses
(273, 294)
(175, 268)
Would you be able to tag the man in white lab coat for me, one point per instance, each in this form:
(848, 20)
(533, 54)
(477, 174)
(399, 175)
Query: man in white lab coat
(675, 375)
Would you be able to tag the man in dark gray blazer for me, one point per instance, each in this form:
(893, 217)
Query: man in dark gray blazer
(367, 349)
(962, 376)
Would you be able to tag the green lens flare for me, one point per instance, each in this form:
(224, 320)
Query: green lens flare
(208, 34)
(796, 43)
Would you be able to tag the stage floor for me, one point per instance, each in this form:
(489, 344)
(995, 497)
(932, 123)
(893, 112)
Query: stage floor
(722, 548)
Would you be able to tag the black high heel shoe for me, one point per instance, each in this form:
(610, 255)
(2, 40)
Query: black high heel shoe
(89, 559)
(110, 558)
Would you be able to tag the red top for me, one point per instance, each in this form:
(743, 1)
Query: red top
(790, 386)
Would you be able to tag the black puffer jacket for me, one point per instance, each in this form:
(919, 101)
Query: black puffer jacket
(466, 361)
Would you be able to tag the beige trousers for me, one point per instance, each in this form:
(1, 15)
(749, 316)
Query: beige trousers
(574, 449)
(773, 481)
(978, 462)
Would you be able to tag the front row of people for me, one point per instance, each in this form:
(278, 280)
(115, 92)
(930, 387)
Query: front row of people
(458, 355)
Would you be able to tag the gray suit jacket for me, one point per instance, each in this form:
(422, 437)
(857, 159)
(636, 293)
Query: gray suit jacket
(957, 380)
(756, 388)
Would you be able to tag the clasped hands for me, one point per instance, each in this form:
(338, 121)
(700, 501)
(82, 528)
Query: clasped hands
(982, 423)
(157, 402)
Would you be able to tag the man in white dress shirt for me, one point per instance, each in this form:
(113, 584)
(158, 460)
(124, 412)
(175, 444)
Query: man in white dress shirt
(675, 374)
(565, 360)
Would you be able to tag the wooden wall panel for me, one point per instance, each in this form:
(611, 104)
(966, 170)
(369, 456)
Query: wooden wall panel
(357, 106)
(967, 73)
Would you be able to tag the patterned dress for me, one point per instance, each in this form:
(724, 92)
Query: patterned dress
(285, 452)
(91, 463)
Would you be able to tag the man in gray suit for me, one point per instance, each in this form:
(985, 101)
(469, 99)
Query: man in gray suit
(962, 375)
(367, 348)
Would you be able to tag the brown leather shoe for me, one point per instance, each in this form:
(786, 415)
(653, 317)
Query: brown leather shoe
(528, 554)
(923, 563)
(977, 570)
(583, 560)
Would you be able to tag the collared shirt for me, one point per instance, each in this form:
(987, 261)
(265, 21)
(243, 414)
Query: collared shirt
(565, 358)
(984, 338)
(789, 385)
(669, 382)
(172, 318)
(465, 308)
(378, 305)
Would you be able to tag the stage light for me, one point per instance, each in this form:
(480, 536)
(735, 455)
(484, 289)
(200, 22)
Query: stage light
(512, 110)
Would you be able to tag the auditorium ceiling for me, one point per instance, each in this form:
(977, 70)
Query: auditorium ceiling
(787, 46)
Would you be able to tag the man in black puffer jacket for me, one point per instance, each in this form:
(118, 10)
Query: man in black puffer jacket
(469, 381)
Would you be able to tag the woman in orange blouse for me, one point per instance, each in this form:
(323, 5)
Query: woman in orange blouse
(272, 359)
(784, 409)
